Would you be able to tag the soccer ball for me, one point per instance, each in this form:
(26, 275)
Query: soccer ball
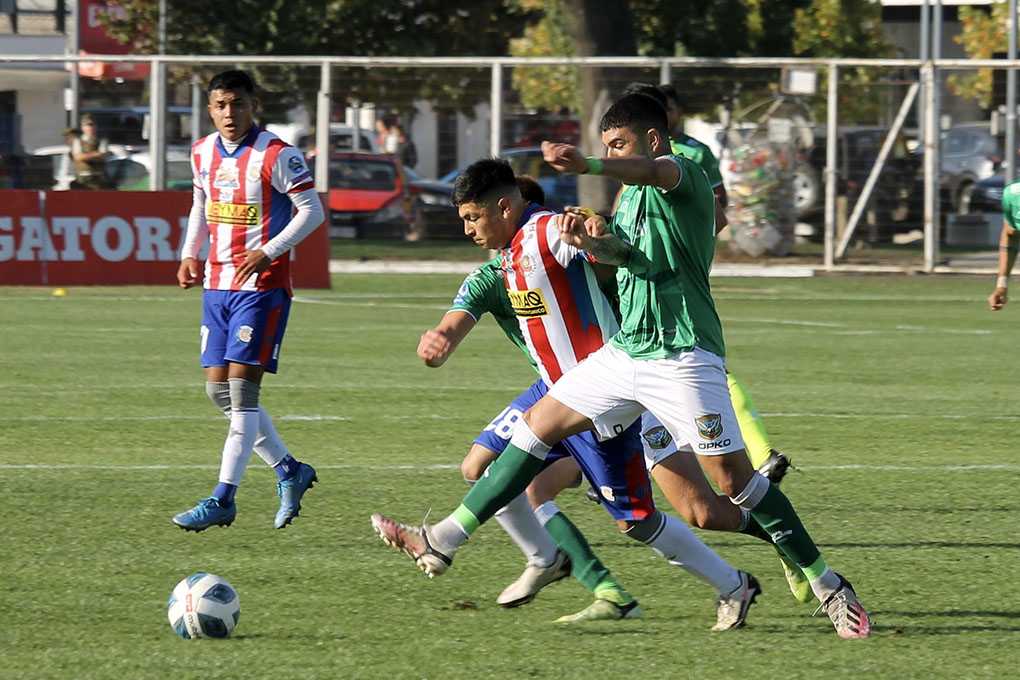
(203, 605)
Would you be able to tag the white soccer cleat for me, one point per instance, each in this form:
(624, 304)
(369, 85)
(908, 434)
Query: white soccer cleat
(413, 542)
(523, 590)
(846, 612)
(732, 608)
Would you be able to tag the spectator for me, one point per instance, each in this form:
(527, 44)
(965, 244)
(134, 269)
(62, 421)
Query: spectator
(89, 154)
(402, 147)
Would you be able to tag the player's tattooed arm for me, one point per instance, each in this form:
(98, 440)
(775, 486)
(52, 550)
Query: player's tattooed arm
(604, 247)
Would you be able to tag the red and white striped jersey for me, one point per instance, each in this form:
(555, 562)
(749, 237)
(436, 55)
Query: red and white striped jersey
(246, 203)
(562, 312)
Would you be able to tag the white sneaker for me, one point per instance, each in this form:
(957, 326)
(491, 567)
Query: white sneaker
(523, 590)
(732, 611)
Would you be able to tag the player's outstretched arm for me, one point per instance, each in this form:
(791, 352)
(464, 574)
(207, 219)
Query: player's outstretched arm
(635, 170)
(607, 248)
(1008, 242)
(437, 344)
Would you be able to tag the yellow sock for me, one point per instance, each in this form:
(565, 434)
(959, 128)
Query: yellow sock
(756, 439)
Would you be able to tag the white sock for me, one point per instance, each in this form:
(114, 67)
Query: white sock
(244, 427)
(825, 585)
(519, 522)
(268, 444)
(447, 534)
(681, 548)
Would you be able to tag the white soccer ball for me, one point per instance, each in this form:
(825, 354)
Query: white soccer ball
(203, 605)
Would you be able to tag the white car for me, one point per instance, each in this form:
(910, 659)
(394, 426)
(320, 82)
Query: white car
(128, 169)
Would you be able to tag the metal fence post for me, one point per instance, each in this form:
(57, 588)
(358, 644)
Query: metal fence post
(831, 122)
(322, 114)
(496, 109)
(931, 170)
(157, 126)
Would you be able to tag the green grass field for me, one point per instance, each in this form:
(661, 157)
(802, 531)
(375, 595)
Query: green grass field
(895, 397)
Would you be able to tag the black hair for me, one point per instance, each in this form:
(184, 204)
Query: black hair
(671, 93)
(233, 81)
(481, 180)
(648, 91)
(637, 112)
(531, 190)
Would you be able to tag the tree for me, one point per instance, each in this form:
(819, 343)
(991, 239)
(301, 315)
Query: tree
(847, 29)
(984, 36)
(338, 28)
(599, 28)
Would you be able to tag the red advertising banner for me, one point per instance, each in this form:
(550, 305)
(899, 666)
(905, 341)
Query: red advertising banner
(93, 38)
(92, 238)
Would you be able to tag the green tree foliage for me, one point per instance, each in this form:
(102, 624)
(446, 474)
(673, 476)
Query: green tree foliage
(339, 28)
(548, 87)
(847, 29)
(984, 35)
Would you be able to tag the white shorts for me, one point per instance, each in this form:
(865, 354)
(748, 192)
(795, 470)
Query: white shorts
(687, 393)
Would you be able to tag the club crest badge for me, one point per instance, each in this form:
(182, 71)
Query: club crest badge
(607, 493)
(244, 334)
(709, 426)
(658, 437)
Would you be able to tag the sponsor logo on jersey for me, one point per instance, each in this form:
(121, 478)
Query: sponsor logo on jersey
(528, 303)
(244, 334)
(462, 294)
(227, 177)
(295, 165)
(233, 213)
(658, 437)
(607, 493)
(709, 426)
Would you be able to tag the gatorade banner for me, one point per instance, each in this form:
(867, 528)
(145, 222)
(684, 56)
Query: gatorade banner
(93, 238)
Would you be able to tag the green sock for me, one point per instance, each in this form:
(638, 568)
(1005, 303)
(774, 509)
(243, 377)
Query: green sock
(507, 477)
(586, 566)
(777, 516)
(756, 439)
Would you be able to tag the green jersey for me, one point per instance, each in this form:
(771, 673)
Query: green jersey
(484, 290)
(700, 154)
(1011, 204)
(666, 303)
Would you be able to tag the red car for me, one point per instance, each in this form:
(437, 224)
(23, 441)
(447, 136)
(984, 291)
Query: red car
(369, 197)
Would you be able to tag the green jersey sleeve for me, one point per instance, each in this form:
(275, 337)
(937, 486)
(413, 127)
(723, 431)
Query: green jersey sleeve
(484, 291)
(700, 154)
(1011, 204)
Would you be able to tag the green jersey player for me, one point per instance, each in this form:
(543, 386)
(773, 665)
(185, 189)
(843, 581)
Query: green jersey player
(665, 358)
(1008, 241)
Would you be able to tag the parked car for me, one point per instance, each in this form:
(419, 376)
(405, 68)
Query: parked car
(986, 194)
(370, 197)
(437, 217)
(896, 200)
(969, 153)
(560, 189)
(128, 169)
(131, 173)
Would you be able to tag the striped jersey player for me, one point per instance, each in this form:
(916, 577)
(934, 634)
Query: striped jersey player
(254, 200)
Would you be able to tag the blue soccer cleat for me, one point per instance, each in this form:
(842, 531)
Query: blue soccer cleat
(208, 513)
(291, 490)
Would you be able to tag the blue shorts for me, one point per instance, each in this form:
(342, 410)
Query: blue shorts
(243, 327)
(614, 467)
